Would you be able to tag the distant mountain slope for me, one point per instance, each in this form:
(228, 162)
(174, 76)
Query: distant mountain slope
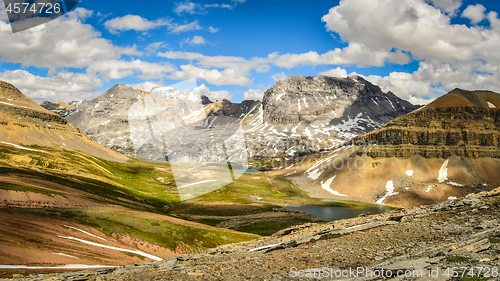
(444, 150)
(302, 115)
(60, 108)
(24, 122)
(106, 118)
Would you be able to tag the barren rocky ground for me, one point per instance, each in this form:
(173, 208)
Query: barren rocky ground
(461, 233)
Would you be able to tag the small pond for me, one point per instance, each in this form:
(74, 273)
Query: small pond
(328, 213)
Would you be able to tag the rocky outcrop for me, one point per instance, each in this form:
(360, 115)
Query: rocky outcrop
(227, 108)
(205, 100)
(331, 100)
(302, 115)
(452, 125)
(60, 108)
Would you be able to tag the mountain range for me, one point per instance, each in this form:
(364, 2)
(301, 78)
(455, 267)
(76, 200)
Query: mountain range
(444, 150)
(299, 115)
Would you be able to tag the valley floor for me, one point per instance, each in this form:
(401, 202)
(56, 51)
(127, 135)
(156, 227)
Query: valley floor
(462, 233)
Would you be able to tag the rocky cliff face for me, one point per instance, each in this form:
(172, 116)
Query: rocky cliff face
(24, 122)
(105, 118)
(444, 150)
(462, 123)
(302, 115)
(330, 100)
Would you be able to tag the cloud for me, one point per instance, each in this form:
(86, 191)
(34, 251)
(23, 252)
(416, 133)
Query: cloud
(279, 76)
(138, 23)
(154, 47)
(187, 7)
(196, 40)
(219, 6)
(450, 55)
(229, 76)
(64, 86)
(147, 85)
(448, 6)
(213, 30)
(405, 86)
(353, 54)
(3, 12)
(260, 65)
(63, 42)
(434, 78)
(475, 13)
(408, 25)
(335, 72)
(133, 22)
(179, 28)
(213, 95)
(235, 70)
(117, 69)
(253, 94)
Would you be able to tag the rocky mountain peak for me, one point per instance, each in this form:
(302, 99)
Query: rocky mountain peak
(459, 98)
(10, 95)
(205, 100)
(24, 122)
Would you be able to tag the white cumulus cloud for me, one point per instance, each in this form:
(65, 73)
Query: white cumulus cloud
(335, 72)
(448, 6)
(196, 40)
(475, 13)
(63, 42)
(64, 86)
(138, 23)
(118, 69)
(213, 95)
(213, 30)
(228, 76)
(188, 7)
(279, 76)
(253, 94)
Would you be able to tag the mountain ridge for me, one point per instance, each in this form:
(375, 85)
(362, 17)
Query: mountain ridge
(24, 122)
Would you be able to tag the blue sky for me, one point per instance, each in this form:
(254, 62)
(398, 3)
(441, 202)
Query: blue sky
(237, 49)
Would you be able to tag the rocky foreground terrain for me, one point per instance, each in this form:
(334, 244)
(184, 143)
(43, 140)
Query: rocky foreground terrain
(459, 235)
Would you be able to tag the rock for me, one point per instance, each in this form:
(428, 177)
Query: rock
(469, 130)
(166, 264)
(478, 246)
(309, 114)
